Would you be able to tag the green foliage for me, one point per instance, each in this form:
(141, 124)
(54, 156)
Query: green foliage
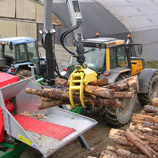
(152, 64)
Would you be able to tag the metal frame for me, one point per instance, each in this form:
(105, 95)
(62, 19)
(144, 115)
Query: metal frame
(25, 102)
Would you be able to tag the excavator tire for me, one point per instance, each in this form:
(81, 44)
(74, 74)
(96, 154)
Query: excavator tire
(120, 117)
(146, 98)
(23, 73)
(31, 153)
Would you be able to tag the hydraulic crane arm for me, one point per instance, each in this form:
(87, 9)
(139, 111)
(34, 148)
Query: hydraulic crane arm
(75, 16)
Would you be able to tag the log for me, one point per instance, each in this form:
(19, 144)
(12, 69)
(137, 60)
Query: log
(150, 109)
(62, 94)
(140, 144)
(48, 104)
(44, 99)
(143, 128)
(130, 82)
(99, 82)
(61, 82)
(155, 102)
(132, 149)
(118, 137)
(108, 154)
(149, 139)
(107, 93)
(127, 154)
(144, 119)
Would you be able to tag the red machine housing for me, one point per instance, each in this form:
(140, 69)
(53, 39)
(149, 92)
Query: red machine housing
(5, 79)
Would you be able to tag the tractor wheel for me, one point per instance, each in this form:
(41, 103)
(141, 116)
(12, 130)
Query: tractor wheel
(120, 117)
(146, 98)
(31, 153)
(23, 73)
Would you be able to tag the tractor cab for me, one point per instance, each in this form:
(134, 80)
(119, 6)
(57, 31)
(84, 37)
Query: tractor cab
(18, 53)
(107, 55)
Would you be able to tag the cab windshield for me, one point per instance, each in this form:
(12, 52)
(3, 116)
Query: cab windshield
(94, 58)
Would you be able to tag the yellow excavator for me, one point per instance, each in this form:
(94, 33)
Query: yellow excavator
(110, 58)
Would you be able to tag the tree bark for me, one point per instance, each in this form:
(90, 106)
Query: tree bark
(48, 104)
(108, 93)
(60, 94)
(126, 84)
(127, 154)
(61, 82)
(140, 144)
(99, 82)
(155, 102)
(150, 109)
(119, 138)
(139, 118)
(144, 128)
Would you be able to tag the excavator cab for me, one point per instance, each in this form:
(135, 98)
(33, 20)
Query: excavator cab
(108, 56)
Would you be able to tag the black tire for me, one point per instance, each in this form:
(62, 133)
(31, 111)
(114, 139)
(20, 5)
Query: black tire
(146, 98)
(23, 73)
(31, 153)
(120, 117)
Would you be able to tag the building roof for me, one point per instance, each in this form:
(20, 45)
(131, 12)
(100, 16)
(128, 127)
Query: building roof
(136, 15)
(96, 18)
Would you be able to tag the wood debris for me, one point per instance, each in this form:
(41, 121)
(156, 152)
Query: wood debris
(35, 116)
(140, 140)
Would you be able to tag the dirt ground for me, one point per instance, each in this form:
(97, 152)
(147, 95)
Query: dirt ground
(97, 138)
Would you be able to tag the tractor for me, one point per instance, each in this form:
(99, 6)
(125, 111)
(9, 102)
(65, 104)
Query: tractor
(110, 58)
(116, 60)
(19, 56)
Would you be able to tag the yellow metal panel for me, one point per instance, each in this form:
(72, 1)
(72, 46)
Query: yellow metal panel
(7, 28)
(123, 71)
(7, 8)
(115, 43)
(136, 67)
(27, 29)
(25, 9)
(107, 59)
(120, 42)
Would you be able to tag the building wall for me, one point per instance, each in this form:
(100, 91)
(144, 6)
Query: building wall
(7, 8)
(21, 18)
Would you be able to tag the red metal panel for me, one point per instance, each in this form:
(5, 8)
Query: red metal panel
(6, 79)
(1, 126)
(44, 128)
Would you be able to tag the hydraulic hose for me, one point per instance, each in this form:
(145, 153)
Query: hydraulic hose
(66, 33)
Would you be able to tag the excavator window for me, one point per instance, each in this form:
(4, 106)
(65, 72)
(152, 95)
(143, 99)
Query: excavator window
(94, 58)
(117, 57)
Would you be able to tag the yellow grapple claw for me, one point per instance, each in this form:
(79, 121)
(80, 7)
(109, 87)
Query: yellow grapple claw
(80, 77)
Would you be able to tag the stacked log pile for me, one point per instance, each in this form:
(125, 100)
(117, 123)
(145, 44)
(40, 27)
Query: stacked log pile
(140, 140)
(97, 93)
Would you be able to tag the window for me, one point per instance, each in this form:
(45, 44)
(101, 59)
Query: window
(9, 54)
(1, 51)
(33, 54)
(94, 58)
(117, 57)
(21, 53)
